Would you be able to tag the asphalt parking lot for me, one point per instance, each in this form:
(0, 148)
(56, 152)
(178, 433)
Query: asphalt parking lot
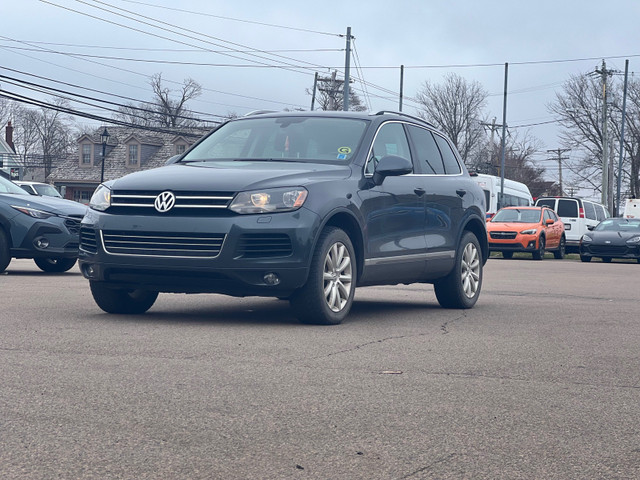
(540, 380)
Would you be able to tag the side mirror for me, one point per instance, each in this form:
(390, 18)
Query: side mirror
(391, 166)
(173, 160)
(590, 227)
(550, 221)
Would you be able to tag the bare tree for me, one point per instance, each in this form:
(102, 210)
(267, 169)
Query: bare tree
(456, 107)
(168, 108)
(5, 111)
(42, 136)
(631, 167)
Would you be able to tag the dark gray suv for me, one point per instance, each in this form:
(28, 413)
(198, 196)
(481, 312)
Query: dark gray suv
(304, 206)
(43, 228)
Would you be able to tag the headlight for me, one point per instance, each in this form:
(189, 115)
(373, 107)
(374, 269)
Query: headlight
(531, 231)
(269, 201)
(586, 239)
(101, 198)
(634, 240)
(33, 212)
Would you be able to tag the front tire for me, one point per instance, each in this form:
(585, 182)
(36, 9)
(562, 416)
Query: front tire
(461, 288)
(559, 253)
(122, 301)
(584, 258)
(55, 265)
(327, 296)
(539, 254)
(507, 254)
(5, 254)
(606, 259)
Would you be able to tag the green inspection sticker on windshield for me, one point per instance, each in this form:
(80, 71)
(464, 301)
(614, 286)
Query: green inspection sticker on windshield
(343, 152)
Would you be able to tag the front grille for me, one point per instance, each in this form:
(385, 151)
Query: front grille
(72, 222)
(503, 235)
(162, 244)
(88, 240)
(259, 245)
(608, 250)
(191, 200)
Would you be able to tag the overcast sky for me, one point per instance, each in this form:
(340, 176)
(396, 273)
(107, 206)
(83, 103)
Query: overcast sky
(543, 41)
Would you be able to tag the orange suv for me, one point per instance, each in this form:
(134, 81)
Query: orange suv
(526, 229)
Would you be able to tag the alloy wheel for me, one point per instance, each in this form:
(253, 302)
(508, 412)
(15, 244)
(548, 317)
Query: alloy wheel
(470, 270)
(337, 277)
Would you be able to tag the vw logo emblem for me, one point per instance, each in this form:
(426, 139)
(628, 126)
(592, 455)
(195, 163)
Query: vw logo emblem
(165, 202)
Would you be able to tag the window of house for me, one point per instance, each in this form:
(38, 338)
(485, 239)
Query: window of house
(180, 148)
(82, 196)
(85, 156)
(133, 157)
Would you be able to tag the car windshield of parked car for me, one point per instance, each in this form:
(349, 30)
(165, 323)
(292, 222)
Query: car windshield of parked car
(294, 138)
(619, 225)
(7, 186)
(516, 215)
(47, 190)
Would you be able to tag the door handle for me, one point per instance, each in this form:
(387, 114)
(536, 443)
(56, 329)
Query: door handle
(461, 192)
(419, 191)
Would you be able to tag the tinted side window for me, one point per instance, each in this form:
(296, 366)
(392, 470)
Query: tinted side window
(428, 153)
(451, 165)
(567, 208)
(589, 210)
(547, 202)
(390, 140)
(600, 213)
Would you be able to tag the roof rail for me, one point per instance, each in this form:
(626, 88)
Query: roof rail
(382, 112)
(259, 112)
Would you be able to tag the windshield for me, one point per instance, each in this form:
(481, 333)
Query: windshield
(7, 186)
(516, 215)
(619, 225)
(317, 139)
(47, 190)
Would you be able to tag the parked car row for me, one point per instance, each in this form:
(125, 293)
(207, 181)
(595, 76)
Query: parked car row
(581, 226)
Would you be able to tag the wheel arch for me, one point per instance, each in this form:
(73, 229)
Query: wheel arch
(346, 221)
(477, 226)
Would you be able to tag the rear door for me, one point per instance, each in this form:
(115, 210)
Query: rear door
(568, 209)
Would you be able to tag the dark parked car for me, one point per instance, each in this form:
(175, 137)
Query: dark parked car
(43, 228)
(612, 238)
(302, 206)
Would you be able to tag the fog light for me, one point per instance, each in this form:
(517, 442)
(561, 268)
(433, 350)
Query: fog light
(89, 271)
(532, 244)
(41, 242)
(271, 279)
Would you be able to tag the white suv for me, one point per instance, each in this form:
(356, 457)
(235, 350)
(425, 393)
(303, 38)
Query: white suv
(577, 214)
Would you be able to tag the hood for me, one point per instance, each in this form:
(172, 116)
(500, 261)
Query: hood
(230, 176)
(59, 206)
(511, 226)
(612, 237)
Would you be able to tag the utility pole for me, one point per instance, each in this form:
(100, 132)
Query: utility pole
(347, 79)
(624, 114)
(401, 87)
(604, 73)
(332, 90)
(494, 128)
(559, 152)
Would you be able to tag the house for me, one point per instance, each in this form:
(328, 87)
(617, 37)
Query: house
(9, 164)
(127, 150)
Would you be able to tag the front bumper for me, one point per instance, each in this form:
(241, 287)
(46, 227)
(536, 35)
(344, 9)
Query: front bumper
(610, 251)
(55, 237)
(522, 243)
(267, 255)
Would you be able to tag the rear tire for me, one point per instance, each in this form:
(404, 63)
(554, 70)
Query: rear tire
(606, 259)
(507, 254)
(559, 253)
(327, 296)
(539, 254)
(122, 301)
(461, 288)
(5, 254)
(584, 258)
(55, 265)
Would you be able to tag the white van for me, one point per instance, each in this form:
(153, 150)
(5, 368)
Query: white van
(577, 214)
(516, 194)
(632, 208)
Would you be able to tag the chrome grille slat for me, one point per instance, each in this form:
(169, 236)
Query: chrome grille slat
(160, 244)
(184, 200)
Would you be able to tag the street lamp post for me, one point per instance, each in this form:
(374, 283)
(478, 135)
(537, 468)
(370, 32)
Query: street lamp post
(104, 137)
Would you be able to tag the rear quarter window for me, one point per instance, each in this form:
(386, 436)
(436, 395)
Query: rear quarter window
(549, 202)
(589, 210)
(451, 165)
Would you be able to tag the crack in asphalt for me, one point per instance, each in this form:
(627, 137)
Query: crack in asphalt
(428, 467)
